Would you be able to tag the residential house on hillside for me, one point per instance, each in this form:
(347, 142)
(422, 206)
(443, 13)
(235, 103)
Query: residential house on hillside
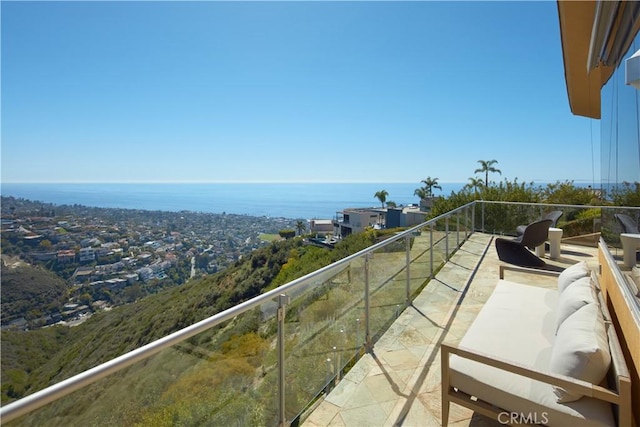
(320, 226)
(87, 255)
(355, 220)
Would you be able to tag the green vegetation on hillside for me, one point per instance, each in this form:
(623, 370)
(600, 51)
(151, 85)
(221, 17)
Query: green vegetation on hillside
(31, 292)
(505, 218)
(227, 374)
(109, 334)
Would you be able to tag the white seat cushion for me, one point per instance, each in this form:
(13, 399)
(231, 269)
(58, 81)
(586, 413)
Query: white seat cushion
(518, 323)
(581, 349)
(571, 274)
(575, 296)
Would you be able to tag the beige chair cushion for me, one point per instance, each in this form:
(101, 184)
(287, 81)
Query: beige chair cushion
(581, 350)
(575, 296)
(571, 274)
(518, 323)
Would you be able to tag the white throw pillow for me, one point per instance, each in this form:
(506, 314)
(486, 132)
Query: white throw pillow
(575, 296)
(581, 350)
(571, 274)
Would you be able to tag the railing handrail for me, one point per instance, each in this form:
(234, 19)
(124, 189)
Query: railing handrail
(627, 293)
(558, 205)
(52, 393)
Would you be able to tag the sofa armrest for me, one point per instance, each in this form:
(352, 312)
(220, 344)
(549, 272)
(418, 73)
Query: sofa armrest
(568, 383)
(537, 271)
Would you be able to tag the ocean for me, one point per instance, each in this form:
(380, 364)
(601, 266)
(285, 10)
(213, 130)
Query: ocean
(298, 201)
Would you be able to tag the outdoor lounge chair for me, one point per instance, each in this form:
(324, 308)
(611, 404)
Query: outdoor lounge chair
(629, 225)
(514, 251)
(554, 216)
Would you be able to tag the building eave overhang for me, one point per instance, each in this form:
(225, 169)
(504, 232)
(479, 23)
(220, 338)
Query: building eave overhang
(583, 87)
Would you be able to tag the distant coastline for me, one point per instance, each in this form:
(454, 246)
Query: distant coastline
(306, 201)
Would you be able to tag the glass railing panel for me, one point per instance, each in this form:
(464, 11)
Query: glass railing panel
(324, 328)
(522, 214)
(420, 259)
(452, 238)
(465, 224)
(447, 227)
(503, 218)
(217, 377)
(440, 244)
(387, 286)
(612, 227)
(457, 224)
(468, 220)
(580, 225)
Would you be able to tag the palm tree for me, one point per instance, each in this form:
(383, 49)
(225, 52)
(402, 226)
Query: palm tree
(382, 196)
(430, 184)
(475, 183)
(426, 193)
(487, 166)
(421, 193)
(300, 226)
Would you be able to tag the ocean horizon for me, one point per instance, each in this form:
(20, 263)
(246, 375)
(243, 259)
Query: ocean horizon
(298, 201)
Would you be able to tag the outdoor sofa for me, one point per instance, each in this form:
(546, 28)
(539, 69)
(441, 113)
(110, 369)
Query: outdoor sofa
(541, 356)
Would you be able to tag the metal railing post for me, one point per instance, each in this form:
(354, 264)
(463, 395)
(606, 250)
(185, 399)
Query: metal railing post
(446, 238)
(408, 259)
(329, 375)
(473, 217)
(467, 232)
(457, 229)
(358, 343)
(431, 250)
(367, 325)
(283, 300)
(336, 366)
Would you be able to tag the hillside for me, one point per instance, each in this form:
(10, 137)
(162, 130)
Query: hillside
(60, 352)
(30, 292)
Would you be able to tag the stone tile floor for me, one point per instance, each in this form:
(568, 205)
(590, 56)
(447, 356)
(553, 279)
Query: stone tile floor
(398, 384)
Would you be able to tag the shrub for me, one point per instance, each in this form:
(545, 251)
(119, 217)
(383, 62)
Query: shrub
(627, 195)
(287, 233)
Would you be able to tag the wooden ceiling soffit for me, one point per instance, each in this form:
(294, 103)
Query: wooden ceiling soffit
(583, 87)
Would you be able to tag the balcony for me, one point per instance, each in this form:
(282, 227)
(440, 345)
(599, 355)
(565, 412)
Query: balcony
(354, 343)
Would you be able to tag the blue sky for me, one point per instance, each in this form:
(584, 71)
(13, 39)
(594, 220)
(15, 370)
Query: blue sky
(287, 92)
